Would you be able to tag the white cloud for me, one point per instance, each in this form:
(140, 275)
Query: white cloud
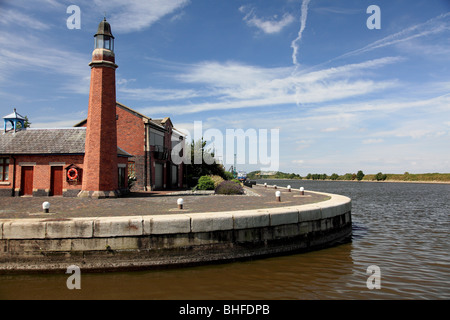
(372, 141)
(432, 26)
(15, 56)
(234, 85)
(129, 16)
(269, 26)
(295, 42)
(155, 94)
(13, 17)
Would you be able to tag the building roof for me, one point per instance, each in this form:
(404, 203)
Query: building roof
(104, 28)
(124, 107)
(156, 123)
(46, 141)
(14, 115)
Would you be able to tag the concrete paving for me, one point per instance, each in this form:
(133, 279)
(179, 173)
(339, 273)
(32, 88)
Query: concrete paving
(152, 203)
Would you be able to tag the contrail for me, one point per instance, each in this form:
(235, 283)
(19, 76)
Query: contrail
(294, 44)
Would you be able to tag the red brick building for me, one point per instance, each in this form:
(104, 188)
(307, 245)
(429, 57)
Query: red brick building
(47, 162)
(93, 158)
(150, 141)
(85, 161)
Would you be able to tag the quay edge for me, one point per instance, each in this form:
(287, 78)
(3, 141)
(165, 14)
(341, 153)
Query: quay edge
(175, 240)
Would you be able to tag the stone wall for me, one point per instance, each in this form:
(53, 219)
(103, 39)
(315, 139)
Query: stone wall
(135, 242)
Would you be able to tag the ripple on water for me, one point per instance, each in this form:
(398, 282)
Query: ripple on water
(402, 228)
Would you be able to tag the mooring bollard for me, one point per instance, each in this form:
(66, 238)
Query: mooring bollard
(274, 186)
(289, 188)
(46, 206)
(265, 184)
(302, 191)
(278, 195)
(180, 202)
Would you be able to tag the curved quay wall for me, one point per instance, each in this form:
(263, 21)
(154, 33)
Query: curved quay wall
(156, 241)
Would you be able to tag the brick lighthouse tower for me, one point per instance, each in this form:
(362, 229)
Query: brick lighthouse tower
(100, 168)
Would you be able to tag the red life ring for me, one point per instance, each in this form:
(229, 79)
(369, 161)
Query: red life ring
(72, 174)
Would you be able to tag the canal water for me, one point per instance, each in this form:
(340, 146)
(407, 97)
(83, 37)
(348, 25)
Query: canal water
(399, 250)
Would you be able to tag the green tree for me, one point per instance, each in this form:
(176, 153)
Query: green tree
(207, 166)
(334, 176)
(27, 123)
(360, 175)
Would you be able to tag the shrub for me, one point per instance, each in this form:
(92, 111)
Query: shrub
(205, 183)
(229, 187)
(217, 180)
(228, 175)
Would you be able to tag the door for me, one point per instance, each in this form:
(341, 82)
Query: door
(159, 175)
(174, 176)
(56, 182)
(26, 184)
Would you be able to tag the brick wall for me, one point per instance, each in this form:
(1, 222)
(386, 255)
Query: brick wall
(131, 138)
(101, 139)
(42, 174)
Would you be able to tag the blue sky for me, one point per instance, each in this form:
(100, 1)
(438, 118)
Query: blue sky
(343, 97)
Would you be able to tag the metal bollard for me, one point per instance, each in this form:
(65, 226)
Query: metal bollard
(302, 191)
(180, 202)
(46, 206)
(278, 196)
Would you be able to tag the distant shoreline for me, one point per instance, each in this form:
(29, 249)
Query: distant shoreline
(385, 181)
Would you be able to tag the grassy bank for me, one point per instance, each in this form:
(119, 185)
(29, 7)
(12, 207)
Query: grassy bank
(413, 177)
(388, 177)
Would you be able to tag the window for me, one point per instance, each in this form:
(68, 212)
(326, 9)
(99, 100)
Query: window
(122, 177)
(131, 168)
(4, 169)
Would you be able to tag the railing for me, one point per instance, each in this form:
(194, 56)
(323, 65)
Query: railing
(160, 152)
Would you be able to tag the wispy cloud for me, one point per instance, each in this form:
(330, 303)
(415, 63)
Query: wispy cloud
(372, 141)
(337, 10)
(432, 26)
(136, 15)
(269, 26)
(13, 17)
(29, 53)
(233, 85)
(296, 41)
(155, 94)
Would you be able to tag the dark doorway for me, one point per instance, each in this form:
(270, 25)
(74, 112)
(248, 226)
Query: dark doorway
(26, 183)
(56, 182)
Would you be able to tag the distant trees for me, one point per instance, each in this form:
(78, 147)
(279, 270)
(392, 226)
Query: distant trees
(359, 175)
(348, 176)
(334, 176)
(380, 176)
(276, 175)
